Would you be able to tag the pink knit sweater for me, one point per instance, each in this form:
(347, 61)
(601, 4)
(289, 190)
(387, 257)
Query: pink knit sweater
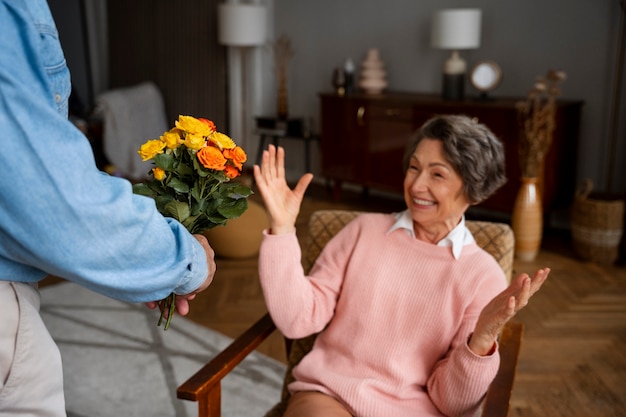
(396, 312)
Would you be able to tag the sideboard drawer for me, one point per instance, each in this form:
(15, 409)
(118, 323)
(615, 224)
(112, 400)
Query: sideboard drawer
(391, 112)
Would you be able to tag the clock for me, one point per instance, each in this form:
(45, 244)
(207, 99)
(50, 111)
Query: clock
(485, 76)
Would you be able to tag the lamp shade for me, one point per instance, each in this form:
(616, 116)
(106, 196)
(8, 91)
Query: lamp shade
(456, 29)
(242, 24)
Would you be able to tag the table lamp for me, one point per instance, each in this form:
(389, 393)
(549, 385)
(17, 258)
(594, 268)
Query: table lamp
(455, 29)
(240, 26)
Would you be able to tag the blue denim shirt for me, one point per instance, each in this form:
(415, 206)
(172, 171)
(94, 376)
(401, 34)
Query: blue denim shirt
(59, 214)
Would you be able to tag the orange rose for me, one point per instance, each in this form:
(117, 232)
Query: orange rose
(208, 123)
(211, 158)
(237, 155)
(231, 172)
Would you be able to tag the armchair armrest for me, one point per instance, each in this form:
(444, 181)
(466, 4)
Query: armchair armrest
(205, 386)
(499, 392)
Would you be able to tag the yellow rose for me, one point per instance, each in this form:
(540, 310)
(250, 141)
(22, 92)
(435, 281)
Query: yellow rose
(192, 125)
(194, 142)
(171, 139)
(150, 149)
(221, 141)
(158, 173)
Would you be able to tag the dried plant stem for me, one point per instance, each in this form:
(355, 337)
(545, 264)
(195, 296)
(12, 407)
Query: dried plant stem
(283, 52)
(537, 119)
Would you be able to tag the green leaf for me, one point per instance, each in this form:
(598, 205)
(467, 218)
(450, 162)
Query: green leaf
(240, 191)
(189, 221)
(197, 192)
(218, 220)
(162, 201)
(179, 186)
(201, 170)
(142, 189)
(165, 161)
(184, 170)
(235, 210)
(178, 210)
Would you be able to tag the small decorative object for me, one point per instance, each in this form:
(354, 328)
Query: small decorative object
(537, 120)
(283, 52)
(373, 75)
(339, 81)
(485, 77)
(348, 71)
(597, 225)
(194, 166)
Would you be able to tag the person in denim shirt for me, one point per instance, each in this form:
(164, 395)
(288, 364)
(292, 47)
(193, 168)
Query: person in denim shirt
(59, 215)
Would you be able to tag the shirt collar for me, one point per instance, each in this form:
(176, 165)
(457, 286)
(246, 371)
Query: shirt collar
(456, 239)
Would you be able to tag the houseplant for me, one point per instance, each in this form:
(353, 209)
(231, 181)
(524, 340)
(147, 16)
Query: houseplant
(537, 122)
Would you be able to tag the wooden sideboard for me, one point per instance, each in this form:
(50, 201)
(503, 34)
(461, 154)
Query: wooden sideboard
(363, 138)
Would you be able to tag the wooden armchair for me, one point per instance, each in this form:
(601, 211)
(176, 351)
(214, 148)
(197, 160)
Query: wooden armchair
(205, 386)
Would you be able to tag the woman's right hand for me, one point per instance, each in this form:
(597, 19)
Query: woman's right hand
(282, 203)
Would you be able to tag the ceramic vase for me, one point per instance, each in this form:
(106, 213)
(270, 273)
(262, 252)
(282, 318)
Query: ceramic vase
(373, 75)
(527, 220)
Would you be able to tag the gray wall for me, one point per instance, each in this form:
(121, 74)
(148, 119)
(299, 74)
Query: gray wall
(525, 37)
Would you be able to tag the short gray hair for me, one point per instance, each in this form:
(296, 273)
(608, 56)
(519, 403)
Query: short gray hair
(471, 148)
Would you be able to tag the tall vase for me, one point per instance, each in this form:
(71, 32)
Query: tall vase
(527, 220)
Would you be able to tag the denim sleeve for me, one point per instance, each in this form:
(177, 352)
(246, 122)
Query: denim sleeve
(59, 214)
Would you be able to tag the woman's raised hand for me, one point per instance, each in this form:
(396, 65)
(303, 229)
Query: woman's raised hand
(282, 203)
(502, 308)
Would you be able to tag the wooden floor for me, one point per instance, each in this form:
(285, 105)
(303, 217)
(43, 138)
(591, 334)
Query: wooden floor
(573, 358)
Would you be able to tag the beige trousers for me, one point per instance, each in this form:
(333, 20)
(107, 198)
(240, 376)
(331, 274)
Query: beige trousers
(31, 374)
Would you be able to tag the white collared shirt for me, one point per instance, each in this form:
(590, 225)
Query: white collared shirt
(457, 238)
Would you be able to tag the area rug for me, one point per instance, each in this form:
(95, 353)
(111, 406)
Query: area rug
(117, 362)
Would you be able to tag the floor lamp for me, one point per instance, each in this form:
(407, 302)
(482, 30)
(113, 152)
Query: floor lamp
(240, 27)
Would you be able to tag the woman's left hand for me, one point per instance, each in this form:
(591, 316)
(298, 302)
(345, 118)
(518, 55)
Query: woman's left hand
(502, 308)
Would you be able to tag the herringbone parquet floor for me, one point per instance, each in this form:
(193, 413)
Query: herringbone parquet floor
(573, 357)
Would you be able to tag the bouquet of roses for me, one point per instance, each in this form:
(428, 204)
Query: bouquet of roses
(194, 166)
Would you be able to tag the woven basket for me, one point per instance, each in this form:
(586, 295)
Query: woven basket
(597, 225)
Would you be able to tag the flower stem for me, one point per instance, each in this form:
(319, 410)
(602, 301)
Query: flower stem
(167, 304)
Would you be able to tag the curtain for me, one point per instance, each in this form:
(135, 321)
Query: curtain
(173, 44)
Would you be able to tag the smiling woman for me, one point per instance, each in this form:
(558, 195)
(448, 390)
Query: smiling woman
(452, 163)
(416, 280)
(470, 148)
(433, 192)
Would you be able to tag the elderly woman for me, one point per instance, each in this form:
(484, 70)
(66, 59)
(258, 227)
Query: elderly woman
(408, 306)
